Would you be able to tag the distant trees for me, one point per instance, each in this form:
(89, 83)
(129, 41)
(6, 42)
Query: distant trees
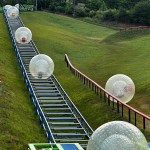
(126, 11)
(141, 13)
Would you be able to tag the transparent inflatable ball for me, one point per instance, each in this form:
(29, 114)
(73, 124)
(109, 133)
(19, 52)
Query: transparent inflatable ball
(41, 66)
(121, 86)
(12, 12)
(23, 35)
(7, 6)
(117, 135)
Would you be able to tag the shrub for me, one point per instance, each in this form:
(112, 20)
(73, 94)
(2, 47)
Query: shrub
(141, 13)
(80, 11)
(109, 15)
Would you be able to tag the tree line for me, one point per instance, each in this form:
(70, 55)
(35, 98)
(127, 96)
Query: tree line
(125, 11)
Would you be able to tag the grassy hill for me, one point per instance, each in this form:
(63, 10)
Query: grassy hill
(98, 52)
(19, 125)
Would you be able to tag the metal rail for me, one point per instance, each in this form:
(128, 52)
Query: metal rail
(134, 116)
(59, 117)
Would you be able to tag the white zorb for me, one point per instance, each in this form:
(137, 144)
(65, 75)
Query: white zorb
(17, 6)
(117, 135)
(23, 35)
(121, 86)
(7, 6)
(12, 12)
(41, 66)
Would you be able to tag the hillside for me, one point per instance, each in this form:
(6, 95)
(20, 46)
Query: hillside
(98, 52)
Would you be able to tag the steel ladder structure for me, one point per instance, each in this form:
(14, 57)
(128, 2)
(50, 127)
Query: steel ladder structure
(59, 117)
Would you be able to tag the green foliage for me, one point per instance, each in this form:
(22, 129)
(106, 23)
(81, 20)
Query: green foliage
(109, 15)
(69, 9)
(80, 10)
(94, 4)
(123, 16)
(141, 13)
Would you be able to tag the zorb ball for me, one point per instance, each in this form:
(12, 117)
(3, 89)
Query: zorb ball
(121, 86)
(23, 35)
(7, 6)
(12, 12)
(117, 135)
(41, 66)
(17, 6)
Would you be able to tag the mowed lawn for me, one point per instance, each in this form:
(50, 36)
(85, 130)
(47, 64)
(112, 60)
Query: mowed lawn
(97, 51)
(19, 125)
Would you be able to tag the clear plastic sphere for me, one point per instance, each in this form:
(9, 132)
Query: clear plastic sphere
(17, 6)
(23, 35)
(41, 66)
(121, 86)
(117, 135)
(7, 6)
(12, 12)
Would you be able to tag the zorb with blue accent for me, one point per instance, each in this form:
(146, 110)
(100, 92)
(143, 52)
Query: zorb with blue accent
(12, 12)
(121, 86)
(117, 135)
(23, 35)
(41, 66)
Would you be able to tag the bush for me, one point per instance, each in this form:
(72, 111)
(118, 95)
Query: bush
(123, 16)
(141, 13)
(60, 9)
(80, 11)
(109, 15)
(92, 13)
(69, 9)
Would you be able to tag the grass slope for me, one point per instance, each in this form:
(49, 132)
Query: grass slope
(97, 51)
(19, 125)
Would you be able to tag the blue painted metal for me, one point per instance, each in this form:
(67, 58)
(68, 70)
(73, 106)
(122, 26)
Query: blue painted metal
(59, 117)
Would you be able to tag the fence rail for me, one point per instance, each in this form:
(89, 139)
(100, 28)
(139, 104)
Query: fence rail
(133, 116)
(134, 28)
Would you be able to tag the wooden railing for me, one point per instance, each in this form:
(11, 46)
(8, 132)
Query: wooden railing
(134, 28)
(132, 115)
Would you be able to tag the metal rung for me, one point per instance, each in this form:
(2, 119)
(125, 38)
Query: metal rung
(46, 91)
(70, 134)
(51, 101)
(61, 118)
(64, 123)
(72, 140)
(48, 94)
(66, 128)
(53, 105)
(58, 113)
(41, 81)
(56, 108)
(43, 84)
(50, 98)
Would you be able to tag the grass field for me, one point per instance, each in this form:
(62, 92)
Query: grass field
(19, 125)
(97, 51)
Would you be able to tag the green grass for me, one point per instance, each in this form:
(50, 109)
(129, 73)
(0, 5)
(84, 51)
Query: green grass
(98, 52)
(19, 125)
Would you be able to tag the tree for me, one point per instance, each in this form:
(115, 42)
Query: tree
(141, 13)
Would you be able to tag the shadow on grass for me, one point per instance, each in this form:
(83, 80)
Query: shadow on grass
(126, 36)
